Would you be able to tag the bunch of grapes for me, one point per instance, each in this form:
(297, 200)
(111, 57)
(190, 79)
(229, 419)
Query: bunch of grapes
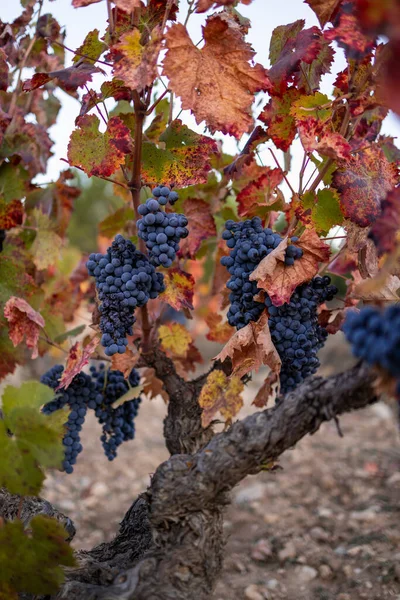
(374, 336)
(296, 333)
(249, 244)
(78, 396)
(97, 391)
(118, 422)
(125, 280)
(161, 231)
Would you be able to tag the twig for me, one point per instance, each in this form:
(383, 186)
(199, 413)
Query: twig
(156, 102)
(103, 62)
(96, 106)
(283, 172)
(104, 178)
(189, 12)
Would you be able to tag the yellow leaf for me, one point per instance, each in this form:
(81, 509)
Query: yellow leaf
(175, 338)
(220, 393)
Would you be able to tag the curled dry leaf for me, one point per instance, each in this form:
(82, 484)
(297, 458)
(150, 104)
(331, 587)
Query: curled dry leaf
(78, 357)
(220, 330)
(269, 389)
(124, 362)
(280, 280)
(220, 394)
(250, 348)
(152, 386)
(23, 321)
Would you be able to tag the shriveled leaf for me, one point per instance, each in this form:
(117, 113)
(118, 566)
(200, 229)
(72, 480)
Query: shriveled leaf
(92, 48)
(185, 160)
(363, 182)
(332, 320)
(278, 119)
(250, 348)
(99, 153)
(385, 230)
(23, 321)
(220, 330)
(203, 5)
(348, 34)
(220, 394)
(201, 226)
(260, 193)
(152, 386)
(269, 389)
(68, 79)
(280, 280)
(116, 222)
(174, 338)
(382, 287)
(78, 357)
(179, 289)
(42, 552)
(125, 362)
(324, 9)
(136, 64)
(217, 82)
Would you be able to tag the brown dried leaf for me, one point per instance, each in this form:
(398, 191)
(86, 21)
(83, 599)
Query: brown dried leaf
(268, 390)
(78, 357)
(124, 362)
(152, 386)
(23, 321)
(220, 330)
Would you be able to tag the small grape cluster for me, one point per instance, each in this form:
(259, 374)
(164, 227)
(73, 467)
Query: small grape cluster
(374, 336)
(118, 422)
(125, 280)
(296, 333)
(97, 391)
(161, 231)
(249, 244)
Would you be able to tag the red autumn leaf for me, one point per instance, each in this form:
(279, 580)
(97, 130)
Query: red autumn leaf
(389, 75)
(78, 357)
(315, 135)
(347, 33)
(217, 82)
(201, 226)
(280, 280)
(203, 5)
(332, 320)
(363, 182)
(384, 231)
(379, 17)
(268, 390)
(23, 321)
(68, 79)
(280, 123)
(11, 214)
(127, 5)
(324, 9)
(250, 348)
(220, 330)
(80, 3)
(99, 153)
(260, 193)
(136, 64)
(3, 71)
(290, 47)
(179, 288)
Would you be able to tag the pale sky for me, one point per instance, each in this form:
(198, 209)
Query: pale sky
(264, 15)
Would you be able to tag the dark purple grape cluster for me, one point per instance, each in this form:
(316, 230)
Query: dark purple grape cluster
(161, 231)
(118, 422)
(374, 336)
(97, 391)
(249, 243)
(125, 280)
(296, 333)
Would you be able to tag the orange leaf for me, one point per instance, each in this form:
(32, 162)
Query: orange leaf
(135, 64)
(268, 389)
(217, 82)
(201, 226)
(280, 280)
(124, 362)
(178, 289)
(220, 330)
(152, 386)
(78, 357)
(23, 321)
(251, 347)
(220, 393)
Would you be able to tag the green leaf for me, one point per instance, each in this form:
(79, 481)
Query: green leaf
(131, 394)
(92, 48)
(46, 249)
(326, 212)
(41, 551)
(116, 222)
(35, 441)
(13, 182)
(71, 333)
(309, 106)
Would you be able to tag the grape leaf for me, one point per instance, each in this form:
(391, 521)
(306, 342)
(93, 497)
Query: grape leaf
(384, 231)
(124, 362)
(203, 5)
(152, 386)
(3, 71)
(81, 3)
(35, 441)
(42, 552)
(347, 33)
(136, 64)
(281, 124)
(260, 193)
(363, 182)
(46, 246)
(68, 79)
(268, 390)
(23, 321)
(251, 347)
(92, 48)
(186, 159)
(280, 280)
(116, 222)
(174, 338)
(71, 333)
(78, 357)
(220, 394)
(217, 82)
(99, 153)
(324, 9)
(220, 330)
(323, 209)
(201, 226)
(179, 289)
(314, 136)
(11, 214)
